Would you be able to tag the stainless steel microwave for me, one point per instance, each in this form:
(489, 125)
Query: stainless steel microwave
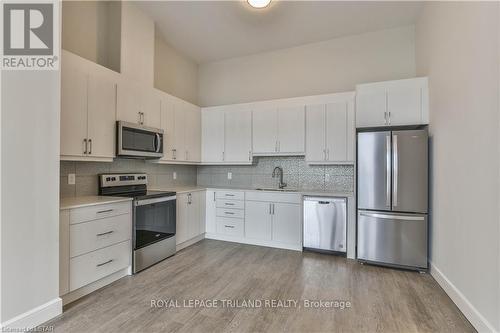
(138, 141)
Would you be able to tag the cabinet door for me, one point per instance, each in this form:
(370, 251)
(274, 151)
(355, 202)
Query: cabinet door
(258, 220)
(291, 130)
(336, 132)
(287, 223)
(212, 123)
(129, 102)
(168, 126)
(193, 134)
(179, 150)
(210, 212)
(151, 108)
(194, 214)
(101, 116)
(238, 136)
(265, 131)
(73, 108)
(371, 107)
(404, 102)
(182, 218)
(315, 131)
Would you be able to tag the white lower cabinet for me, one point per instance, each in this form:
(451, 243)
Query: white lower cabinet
(255, 217)
(189, 216)
(95, 243)
(258, 220)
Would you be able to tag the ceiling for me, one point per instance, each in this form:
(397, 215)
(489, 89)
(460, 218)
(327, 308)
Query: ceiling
(208, 31)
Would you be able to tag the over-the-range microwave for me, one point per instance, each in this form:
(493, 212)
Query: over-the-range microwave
(138, 141)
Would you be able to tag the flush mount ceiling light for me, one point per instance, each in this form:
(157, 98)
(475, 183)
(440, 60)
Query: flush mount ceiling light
(259, 3)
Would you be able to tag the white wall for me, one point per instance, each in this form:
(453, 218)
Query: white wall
(331, 66)
(457, 46)
(174, 73)
(91, 29)
(29, 194)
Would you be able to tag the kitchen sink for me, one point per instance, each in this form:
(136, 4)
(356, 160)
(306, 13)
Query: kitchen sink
(277, 189)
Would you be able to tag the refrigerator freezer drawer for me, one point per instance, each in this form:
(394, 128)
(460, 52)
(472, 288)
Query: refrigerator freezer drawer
(325, 222)
(393, 239)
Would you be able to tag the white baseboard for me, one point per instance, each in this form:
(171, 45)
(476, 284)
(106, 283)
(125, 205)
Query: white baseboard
(247, 241)
(35, 317)
(190, 242)
(471, 313)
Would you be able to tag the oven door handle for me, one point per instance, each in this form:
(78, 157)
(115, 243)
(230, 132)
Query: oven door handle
(144, 202)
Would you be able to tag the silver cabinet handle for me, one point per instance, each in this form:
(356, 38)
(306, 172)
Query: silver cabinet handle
(189, 198)
(85, 146)
(229, 195)
(393, 217)
(249, 155)
(90, 146)
(388, 171)
(105, 263)
(174, 154)
(105, 211)
(395, 170)
(186, 155)
(223, 156)
(229, 204)
(214, 195)
(105, 233)
(140, 118)
(327, 154)
(273, 208)
(270, 209)
(324, 154)
(229, 226)
(389, 117)
(229, 213)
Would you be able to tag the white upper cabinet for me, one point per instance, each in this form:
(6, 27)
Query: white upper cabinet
(101, 116)
(138, 104)
(212, 136)
(238, 136)
(265, 130)
(192, 133)
(392, 103)
(168, 126)
(278, 130)
(291, 130)
(88, 110)
(331, 131)
(227, 135)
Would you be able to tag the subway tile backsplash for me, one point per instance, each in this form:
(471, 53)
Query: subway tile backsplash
(297, 174)
(159, 175)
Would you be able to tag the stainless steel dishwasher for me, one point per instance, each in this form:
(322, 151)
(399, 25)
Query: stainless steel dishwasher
(325, 224)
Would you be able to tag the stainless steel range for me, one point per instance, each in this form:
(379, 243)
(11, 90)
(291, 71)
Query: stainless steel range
(154, 214)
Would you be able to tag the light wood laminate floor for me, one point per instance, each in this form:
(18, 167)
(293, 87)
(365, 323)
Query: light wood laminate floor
(383, 300)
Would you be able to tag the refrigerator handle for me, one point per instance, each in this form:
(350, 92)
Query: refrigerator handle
(395, 166)
(388, 171)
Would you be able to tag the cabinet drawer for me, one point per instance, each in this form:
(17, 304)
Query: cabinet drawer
(231, 195)
(234, 213)
(78, 215)
(287, 197)
(95, 265)
(230, 226)
(232, 204)
(97, 234)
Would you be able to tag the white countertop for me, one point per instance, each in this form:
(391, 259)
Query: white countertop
(194, 188)
(91, 200)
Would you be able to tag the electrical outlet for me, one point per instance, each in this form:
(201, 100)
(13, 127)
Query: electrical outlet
(229, 175)
(174, 175)
(71, 179)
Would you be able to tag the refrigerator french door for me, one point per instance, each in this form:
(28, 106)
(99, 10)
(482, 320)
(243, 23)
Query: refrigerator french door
(393, 197)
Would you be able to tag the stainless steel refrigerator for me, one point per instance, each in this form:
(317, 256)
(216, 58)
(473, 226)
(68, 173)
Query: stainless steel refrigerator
(393, 198)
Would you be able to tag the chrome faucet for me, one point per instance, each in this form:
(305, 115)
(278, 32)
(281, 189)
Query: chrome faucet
(276, 171)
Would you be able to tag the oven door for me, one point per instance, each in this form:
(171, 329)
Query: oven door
(154, 220)
(139, 141)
